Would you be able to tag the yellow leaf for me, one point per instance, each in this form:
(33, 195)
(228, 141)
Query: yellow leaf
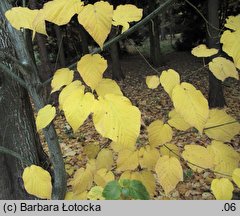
(233, 22)
(45, 116)
(72, 196)
(108, 86)
(104, 159)
(77, 107)
(202, 51)
(95, 193)
(222, 189)
(61, 77)
(236, 176)
(191, 105)
(60, 12)
(169, 79)
(127, 160)
(22, 17)
(91, 150)
(97, 20)
(125, 14)
(91, 166)
(221, 126)
(165, 150)
(177, 121)
(199, 156)
(103, 176)
(169, 172)
(226, 159)
(152, 81)
(223, 68)
(159, 133)
(91, 69)
(68, 90)
(231, 45)
(37, 182)
(82, 181)
(117, 119)
(148, 180)
(148, 157)
(126, 175)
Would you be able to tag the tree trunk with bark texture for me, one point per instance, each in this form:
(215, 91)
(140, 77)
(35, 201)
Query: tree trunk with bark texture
(155, 51)
(17, 129)
(215, 94)
(117, 73)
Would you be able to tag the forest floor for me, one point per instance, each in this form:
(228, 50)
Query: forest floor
(154, 104)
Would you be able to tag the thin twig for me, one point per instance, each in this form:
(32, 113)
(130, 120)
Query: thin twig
(203, 168)
(14, 154)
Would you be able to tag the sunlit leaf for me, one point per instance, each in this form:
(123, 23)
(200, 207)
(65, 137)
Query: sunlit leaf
(148, 180)
(221, 126)
(169, 172)
(117, 119)
(177, 121)
(202, 51)
(75, 85)
(103, 176)
(169, 79)
(104, 159)
(222, 189)
(148, 157)
(226, 159)
(77, 107)
(61, 77)
(82, 181)
(223, 68)
(97, 20)
(236, 176)
(199, 157)
(60, 12)
(72, 196)
(95, 193)
(159, 133)
(170, 150)
(124, 14)
(233, 22)
(108, 86)
(91, 69)
(231, 45)
(152, 81)
(45, 116)
(91, 150)
(22, 17)
(191, 105)
(127, 160)
(37, 182)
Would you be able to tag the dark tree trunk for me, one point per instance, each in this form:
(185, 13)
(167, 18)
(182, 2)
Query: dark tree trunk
(60, 54)
(17, 129)
(117, 73)
(155, 51)
(84, 40)
(215, 94)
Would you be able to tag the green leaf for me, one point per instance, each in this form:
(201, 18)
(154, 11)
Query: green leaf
(112, 191)
(138, 190)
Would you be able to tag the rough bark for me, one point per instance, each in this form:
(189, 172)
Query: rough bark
(17, 129)
(155, 51)
(215, 94)
(33, 84)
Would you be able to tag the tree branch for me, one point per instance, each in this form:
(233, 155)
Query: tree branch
(11, 74)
